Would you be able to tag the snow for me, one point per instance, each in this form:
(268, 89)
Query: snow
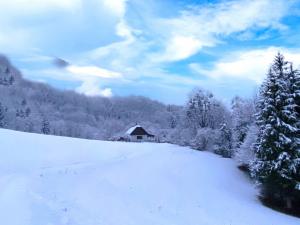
(131, 129)
(48, 180)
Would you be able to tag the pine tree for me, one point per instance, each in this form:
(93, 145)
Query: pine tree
(294, 101)
(294, 83)
(277, 161)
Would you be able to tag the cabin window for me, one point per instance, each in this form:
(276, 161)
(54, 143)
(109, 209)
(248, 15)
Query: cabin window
(139, 137)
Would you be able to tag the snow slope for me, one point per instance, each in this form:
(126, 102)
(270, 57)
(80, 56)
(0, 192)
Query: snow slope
(47, 180)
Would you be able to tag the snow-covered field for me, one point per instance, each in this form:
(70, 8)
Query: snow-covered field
(47, 180)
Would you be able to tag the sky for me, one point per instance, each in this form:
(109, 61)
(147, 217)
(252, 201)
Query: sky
(161, 49)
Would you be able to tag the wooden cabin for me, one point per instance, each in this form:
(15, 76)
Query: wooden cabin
(139, 134)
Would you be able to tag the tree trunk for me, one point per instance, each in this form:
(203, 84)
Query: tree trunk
(288, 203)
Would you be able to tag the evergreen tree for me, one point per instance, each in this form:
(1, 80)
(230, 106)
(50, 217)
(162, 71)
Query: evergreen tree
(294, 83)
(294, 100)
(277, 163)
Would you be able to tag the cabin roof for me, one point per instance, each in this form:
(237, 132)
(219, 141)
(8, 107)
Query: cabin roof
(131, 129)
(138, 130)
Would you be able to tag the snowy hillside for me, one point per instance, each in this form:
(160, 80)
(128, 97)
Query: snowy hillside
(48, 180)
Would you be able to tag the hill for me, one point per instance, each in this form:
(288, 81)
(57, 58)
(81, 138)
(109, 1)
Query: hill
(28, 106)
(57, 180)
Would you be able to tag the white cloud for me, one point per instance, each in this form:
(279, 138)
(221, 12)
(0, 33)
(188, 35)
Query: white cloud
(118, 53)
(92, 71)
(35, 57)
(143, 42)
(248, 65)
(179, 47)
(107, 92)
(15, 40)
(205, 26)
(37, 6)
(118, 7)
(29, 24)
(91, 78)
(124, 30)
(180, 37)
(19, 20)
(91, 87)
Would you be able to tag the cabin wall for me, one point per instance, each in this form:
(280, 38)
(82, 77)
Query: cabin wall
(136, 139)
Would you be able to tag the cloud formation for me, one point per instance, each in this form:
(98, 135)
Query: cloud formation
(91, 87)
(92, 71)
(206, 26)
(247, 65)
(90, 76)
(36, 6)
(112, 42)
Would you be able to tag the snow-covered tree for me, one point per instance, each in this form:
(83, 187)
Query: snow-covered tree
(224, 143)
(205, 139)
(294, 87)
(245, 153)
(243, 111)
(204, 115)
(204, 110)
(198, 108)
(2, 117)
(277, 163)
(6, 78)
(23, 111)
(45, 126)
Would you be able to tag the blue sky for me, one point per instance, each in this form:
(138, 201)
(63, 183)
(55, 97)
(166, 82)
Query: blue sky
(160, 49)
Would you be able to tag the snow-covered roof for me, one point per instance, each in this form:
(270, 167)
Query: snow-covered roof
(131, 129)
(138, 130)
